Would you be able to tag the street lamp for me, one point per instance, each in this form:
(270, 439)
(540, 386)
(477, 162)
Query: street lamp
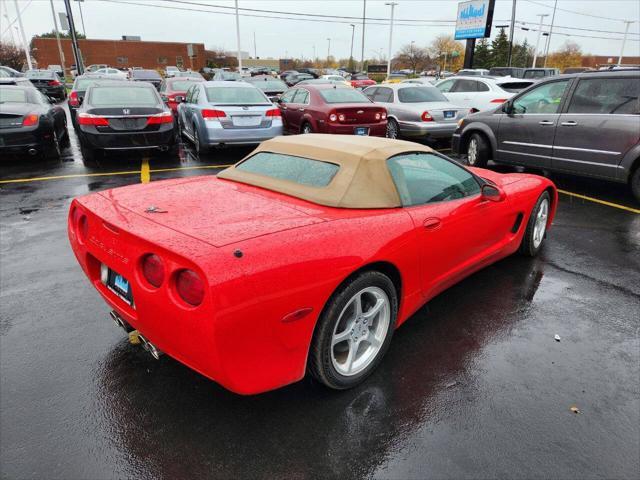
(84, 30)
(353, 31)
(393, 6)
(553, 18)
(535, 54)
(624, 39)
(328, 49)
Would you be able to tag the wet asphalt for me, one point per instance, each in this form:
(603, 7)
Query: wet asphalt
(474, 385)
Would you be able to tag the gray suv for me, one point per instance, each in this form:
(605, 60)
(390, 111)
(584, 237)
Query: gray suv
(585, 124)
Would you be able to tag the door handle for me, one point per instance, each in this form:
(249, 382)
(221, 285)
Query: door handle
(432, 223)
(301, 109)
(546, 122)
(570, 123)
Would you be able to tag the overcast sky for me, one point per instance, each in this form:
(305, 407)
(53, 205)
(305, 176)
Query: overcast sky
(278, 37)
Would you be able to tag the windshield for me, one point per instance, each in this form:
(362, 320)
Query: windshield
(420, 94)
(119, 96)
(269, 85)
(10, 95)
(343, 95)
(145, 74)
(239, 95)
(181, 85)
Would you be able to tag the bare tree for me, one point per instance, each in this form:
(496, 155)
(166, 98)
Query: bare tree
(413, 56)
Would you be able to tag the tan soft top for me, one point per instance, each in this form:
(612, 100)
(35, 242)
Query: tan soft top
(363, 180)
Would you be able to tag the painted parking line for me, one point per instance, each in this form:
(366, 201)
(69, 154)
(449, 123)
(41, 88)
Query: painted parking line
(145, 176)
(601, 202)
(107, 174)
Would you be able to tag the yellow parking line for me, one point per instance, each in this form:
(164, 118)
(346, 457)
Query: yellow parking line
(107, 174)
(602, 202)
(145, 176)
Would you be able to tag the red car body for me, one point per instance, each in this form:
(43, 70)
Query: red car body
(361, 81)
(175, 87)
(333, 118)
(270, 262)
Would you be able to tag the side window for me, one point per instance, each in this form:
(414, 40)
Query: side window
(445, 86)
(384, 95)
(302, 96)
(423, 178)
(370, 92)
(465, 86)
(163, 86)
(611, 96)
(482, 87)
(288, 96)
(195, 95)
(189, 95)
(543, 99)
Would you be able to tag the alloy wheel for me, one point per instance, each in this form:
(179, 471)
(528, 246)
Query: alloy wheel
(472, 151)
(540, 226)
(392, 129)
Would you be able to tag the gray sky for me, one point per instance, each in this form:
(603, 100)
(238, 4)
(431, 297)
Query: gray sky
(277, 37)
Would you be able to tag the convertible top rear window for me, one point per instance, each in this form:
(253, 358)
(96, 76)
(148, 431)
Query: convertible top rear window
(303, 171)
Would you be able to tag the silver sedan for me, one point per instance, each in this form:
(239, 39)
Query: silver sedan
(419, 111)
(227, 113)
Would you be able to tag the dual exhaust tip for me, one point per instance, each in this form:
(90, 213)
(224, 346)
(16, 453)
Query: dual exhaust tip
(146, 344)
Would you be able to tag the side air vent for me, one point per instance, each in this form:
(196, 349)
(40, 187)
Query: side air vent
(516, 224)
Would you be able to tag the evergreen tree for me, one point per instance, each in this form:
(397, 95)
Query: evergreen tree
(482, 54)
(522, 55)
(500, 50)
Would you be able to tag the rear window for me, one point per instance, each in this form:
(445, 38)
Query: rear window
(83, 83)
(534, 74)
(42, 74)
(10, 95)
(304, 171)
(269, 85)
(607, 96)
(514, 87)
(145, 74)
(235, 95)
(420, 94)
(122, 96)
(343, 95)
(182, 85)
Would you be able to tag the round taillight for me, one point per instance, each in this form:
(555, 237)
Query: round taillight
(333, 117)
(153, 269)
(190, 287)
(384, 115)
(81, 224)
(426, 117)
(341, 117)
(378, 116)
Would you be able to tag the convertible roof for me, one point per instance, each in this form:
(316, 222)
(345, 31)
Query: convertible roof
(363, 180)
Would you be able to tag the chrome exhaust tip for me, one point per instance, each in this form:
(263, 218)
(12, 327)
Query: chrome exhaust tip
(150, 347)
(117, 319)
(32, 152)
(164, 148)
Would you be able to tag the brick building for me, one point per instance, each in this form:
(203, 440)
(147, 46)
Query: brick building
(593, 61)
(121, 53)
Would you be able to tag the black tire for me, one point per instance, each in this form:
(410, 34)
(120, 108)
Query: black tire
(478, 150)
(66, 140)
(306, 128)
(54, 152)
(634, 183)
(320, 362)
(529, 246)
(393, 129)
(200, 148)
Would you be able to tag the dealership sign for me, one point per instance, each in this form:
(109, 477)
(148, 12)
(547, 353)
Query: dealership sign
(474, 19)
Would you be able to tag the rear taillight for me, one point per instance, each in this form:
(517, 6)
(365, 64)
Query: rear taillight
(426, 117)
(30, 120)
(383, 115)
(333, 117)
(80, 224)
(153, 269)
(499, 100)
(209, 114)
(190, 287)
(54, 83)
(274, 112)
(74, 101)
(341, 117)
(159, 118)
(95, 120)
(171, 98)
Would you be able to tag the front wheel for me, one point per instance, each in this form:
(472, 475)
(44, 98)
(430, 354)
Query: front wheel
(200, 147)
(393, 130)
(536, 230)
(635, 184)
(306, 128)
(477, 151)
(354, 331)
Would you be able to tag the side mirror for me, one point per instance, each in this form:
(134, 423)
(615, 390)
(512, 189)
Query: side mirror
(507, 107)
(493, 193)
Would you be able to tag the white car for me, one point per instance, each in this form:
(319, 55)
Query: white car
(171, 71)
(429, 81)
(481, 93)
(335, 78)
(111, 72)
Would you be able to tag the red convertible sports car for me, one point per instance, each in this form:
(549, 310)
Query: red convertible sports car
(303, 257)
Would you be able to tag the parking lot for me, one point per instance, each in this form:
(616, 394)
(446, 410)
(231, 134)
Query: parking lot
(474, 385)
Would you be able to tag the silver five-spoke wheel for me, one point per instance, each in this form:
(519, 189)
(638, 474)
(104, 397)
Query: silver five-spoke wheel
(360, 331)
(472, 151)
(540, 226)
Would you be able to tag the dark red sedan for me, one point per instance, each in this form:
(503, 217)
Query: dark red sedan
(327, 108)
(173, 90)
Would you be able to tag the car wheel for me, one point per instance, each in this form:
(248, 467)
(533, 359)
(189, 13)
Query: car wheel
(354, 331)
(200, 148)
(66, 140)
(306, 128)
(477, 151)
(536, 230)
(392, 129)
(54, 152)
(635, 184)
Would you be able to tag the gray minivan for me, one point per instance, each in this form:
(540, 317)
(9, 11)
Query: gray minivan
(585, 124)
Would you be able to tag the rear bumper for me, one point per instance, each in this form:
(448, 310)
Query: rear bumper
(135, 140)
(427, 129)
(217, 135)
(375, 129)
(21, 141)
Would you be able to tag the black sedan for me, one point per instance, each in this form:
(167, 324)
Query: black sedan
(123, 116)
(30, 123)
(48, 82)
(80, 85)
(272, 87)
(150, 76)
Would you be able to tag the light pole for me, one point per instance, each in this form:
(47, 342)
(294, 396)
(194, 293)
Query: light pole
(238, 39)
(24, 38)
(55, 25)
(553, 17)
(74, 38)
(535, 53)
(624, 39)
(314, 52)
(328, 49)
(364, 11)
(393, 6)
(353, 31)
(511, 33)
(13, 40)
(84, 30)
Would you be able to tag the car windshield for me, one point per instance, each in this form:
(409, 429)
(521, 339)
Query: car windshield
(420, 94)
(11, 95)
(235, 95)
(534, 74)
(83, 83)
(145, 74)
(123, 96)
(39, 74)
(343, 95)
(181, 85)
(269, 85)
(304, 171)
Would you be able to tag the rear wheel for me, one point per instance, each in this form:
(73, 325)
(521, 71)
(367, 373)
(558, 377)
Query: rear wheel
(200, 148)
(536, 230)
(307, 128)
(54, 151)
(635, 184)
(393, 130)
(354, 331)
(477, 151)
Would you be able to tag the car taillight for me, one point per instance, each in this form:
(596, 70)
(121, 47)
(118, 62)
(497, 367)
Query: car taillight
(159, 118)
(74, 101)
(209, 114)
(499, 100)
(274, 112)
(81, 224)
(89, 119)
(426, 117)
(333, 117)
(384, 115)
(30, 120)
(341, 117)
(190, 287)
(54, 83)
(171, 98)
(153, 269)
